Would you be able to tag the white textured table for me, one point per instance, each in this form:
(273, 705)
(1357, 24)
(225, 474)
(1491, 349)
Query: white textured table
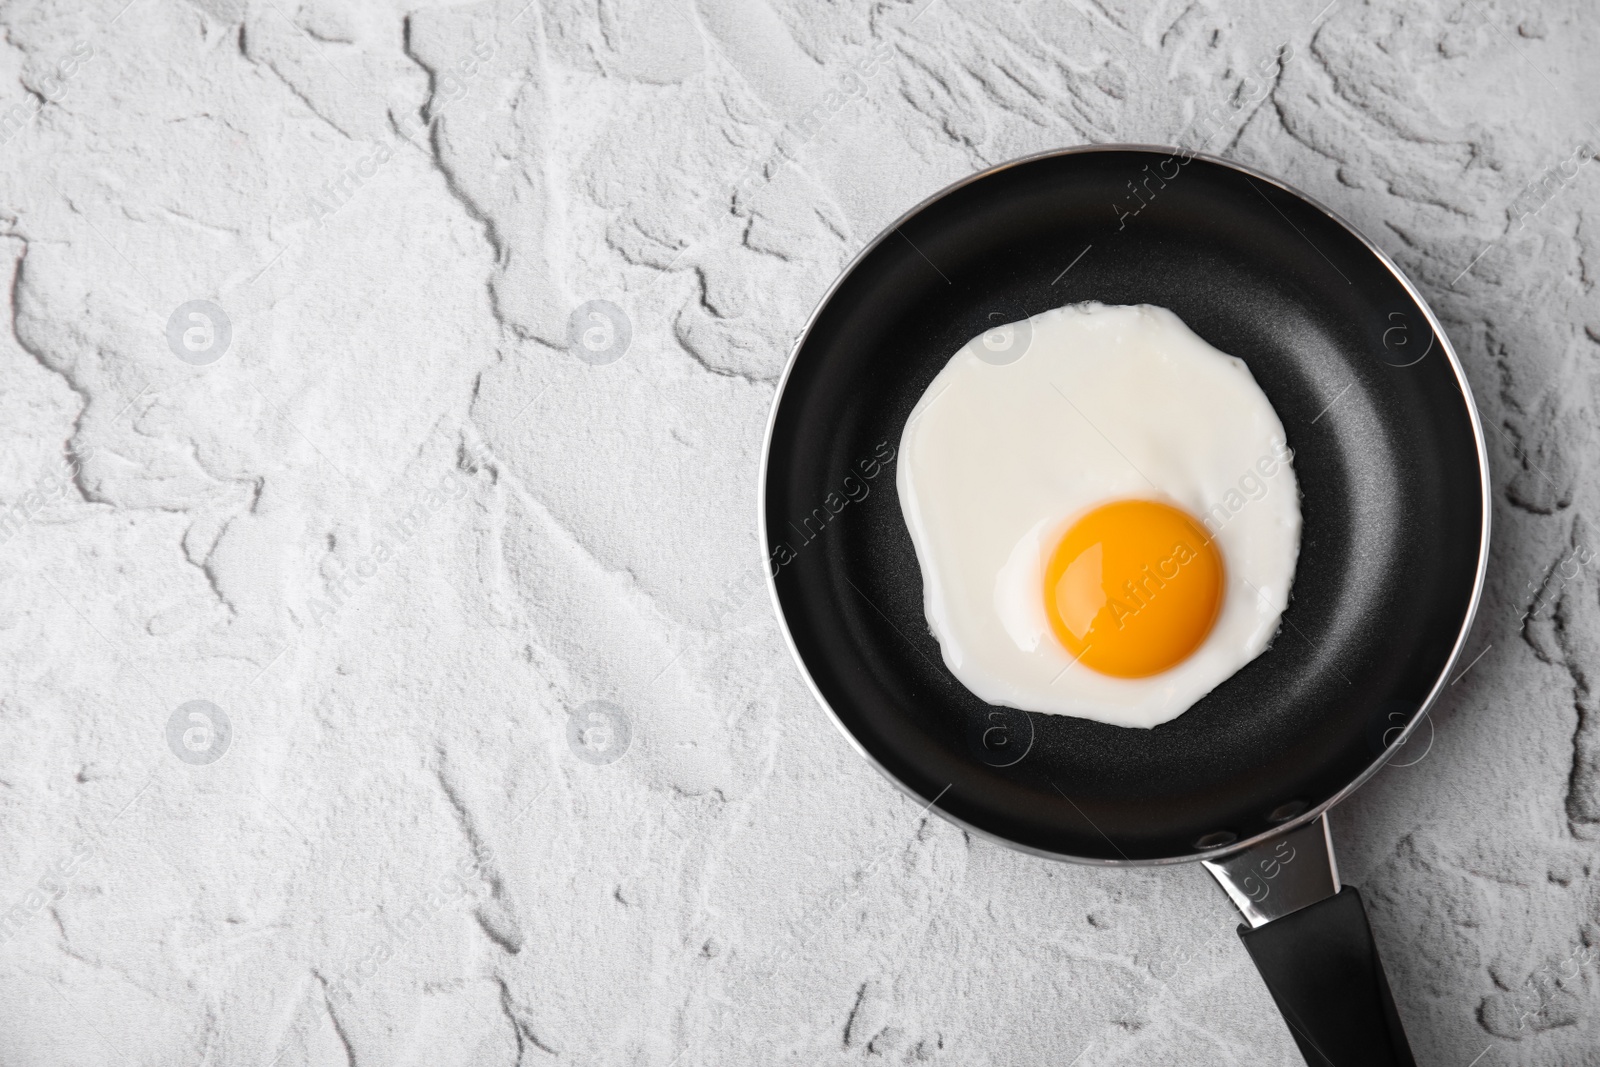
(364, 500)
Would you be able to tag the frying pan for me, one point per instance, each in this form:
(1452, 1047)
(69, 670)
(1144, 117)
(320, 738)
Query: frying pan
(1389, 456)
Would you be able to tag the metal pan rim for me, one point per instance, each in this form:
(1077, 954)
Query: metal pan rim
(1311, 813)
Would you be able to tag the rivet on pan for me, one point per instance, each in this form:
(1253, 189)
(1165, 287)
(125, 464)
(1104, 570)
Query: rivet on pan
(1285, 812)
(1216, 840)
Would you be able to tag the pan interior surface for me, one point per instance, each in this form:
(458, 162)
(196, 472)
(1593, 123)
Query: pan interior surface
(1385, 450)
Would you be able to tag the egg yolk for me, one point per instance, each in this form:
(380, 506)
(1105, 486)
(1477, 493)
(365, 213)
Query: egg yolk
(1133, 588)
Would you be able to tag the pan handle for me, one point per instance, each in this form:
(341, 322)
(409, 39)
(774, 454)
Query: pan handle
(1311, 941)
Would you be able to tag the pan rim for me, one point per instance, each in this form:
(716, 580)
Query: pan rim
(1310, 814)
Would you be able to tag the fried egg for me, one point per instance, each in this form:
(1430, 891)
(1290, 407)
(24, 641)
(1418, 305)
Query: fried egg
(1105, 513)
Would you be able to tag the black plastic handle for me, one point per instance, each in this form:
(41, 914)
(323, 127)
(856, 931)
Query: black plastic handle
(1322, 968)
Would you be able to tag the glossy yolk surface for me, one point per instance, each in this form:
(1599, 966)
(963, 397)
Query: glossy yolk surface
(1133, 588)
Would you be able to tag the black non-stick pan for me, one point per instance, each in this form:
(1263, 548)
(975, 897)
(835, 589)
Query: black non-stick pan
(1390, 461)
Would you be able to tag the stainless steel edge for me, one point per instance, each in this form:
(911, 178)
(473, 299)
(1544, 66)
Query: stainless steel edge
(1280, 876)
(1311, 813)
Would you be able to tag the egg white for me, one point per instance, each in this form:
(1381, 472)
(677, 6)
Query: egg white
(1005, 451)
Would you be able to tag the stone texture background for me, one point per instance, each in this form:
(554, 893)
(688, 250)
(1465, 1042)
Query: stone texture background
(402, 538)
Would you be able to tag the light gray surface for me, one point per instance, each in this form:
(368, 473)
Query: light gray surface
(399, 535)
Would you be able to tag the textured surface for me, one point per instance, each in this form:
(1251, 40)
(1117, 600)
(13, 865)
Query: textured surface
(393, 528)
